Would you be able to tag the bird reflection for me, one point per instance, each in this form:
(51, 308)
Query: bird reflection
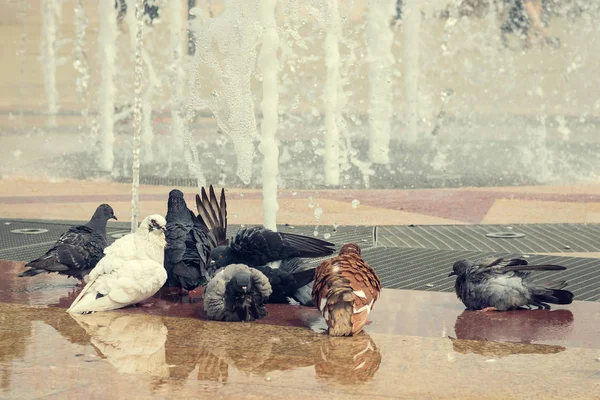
(349, 360)
(346, 360)
(514, 326)
(498, 334)
(132, 343)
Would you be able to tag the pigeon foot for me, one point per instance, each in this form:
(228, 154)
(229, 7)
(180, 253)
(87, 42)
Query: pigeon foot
(487, 309)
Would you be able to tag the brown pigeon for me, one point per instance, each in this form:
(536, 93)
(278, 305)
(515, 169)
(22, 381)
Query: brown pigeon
(345, 289)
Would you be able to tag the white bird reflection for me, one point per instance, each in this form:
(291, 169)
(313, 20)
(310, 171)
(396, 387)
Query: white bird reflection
(132, 343)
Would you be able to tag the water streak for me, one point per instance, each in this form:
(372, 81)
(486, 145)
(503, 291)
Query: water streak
(412, 26)
(379, 38)
(330, 95)
(269, 66)
(107, 37)
(137, 113)
(51, 16)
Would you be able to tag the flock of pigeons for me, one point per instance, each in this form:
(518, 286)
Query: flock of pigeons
(186, 250)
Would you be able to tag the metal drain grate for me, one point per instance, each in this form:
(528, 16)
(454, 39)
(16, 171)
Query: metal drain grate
(426, 269)
(538, 238)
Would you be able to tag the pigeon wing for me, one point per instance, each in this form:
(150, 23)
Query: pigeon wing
(213, 215)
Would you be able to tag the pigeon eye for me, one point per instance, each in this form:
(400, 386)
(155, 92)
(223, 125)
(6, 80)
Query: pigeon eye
(220, 257)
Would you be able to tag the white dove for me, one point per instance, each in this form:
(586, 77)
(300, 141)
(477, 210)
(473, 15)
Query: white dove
(131, 271)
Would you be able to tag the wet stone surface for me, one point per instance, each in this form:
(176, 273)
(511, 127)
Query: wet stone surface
(417, 344)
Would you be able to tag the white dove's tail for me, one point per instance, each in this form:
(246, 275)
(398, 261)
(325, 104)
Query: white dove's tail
(88, 301)
(85, 290)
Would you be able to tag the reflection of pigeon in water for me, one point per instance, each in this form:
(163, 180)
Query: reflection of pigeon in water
(542, 326)
(189, 243)
(349, 360)
(78, 250)
(291, 280)
(345, 289)
(237, 293)
(498, 284)
(131, 271)
(132, 343)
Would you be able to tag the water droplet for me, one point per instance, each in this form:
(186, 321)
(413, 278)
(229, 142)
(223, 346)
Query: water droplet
(241, 194)
(311, 203)
(335, 226)
(326, 235)
(318, 213)
(316, 232)
(355, 203)
(294, 193)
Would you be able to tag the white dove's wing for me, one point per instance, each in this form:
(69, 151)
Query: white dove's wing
(124, 248)
(121, 283)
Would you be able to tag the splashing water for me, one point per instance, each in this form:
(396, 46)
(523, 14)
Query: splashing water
(137, 113)
(227, 46)
(80, 60)
(380, 60)
(412, 24)
(332, 61)
(51, 16)
(177, 76)
(355, 203)
(107, 36)
(269, 66)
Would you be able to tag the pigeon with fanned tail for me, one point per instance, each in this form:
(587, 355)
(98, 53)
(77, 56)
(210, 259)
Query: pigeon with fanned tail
(291, 281)
(189, 243)
(78, 250)
(131, 271)
(345, 290)
(498, 284)
(237, 293)
(257, 246)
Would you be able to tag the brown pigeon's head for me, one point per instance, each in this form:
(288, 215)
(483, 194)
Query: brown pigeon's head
(350, 248)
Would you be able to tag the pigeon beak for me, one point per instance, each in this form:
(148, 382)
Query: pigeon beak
(114, 217)
(451, 274)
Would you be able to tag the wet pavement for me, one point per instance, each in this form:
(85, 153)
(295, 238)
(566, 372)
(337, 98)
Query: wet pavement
(418, 344)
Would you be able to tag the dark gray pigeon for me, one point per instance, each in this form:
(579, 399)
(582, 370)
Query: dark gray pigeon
(78, 250)
(496, 284)
(237, 293)
(189, 244)
(291, 282)
(256, 246)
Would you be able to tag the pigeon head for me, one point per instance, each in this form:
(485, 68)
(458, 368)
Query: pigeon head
(350, 248)
(460, 267)
(176, 202)
(104, 212)
(222, 256)
(241, 283)
(154, 223)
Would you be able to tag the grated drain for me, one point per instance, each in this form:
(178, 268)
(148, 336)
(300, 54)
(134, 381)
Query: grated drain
(505, 235)
(29, 231)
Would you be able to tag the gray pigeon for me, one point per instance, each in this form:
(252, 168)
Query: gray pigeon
(237, 293)
(498, 284)
(78, 250)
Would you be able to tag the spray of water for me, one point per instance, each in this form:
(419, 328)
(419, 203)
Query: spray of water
(269, 66)
(330, 96)
(379, 38)
(177, 75)
(107, 37)
(137, 113)
(80, 62)
(227, 46)
(51, 16)
(412, 26)
(22, 17)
